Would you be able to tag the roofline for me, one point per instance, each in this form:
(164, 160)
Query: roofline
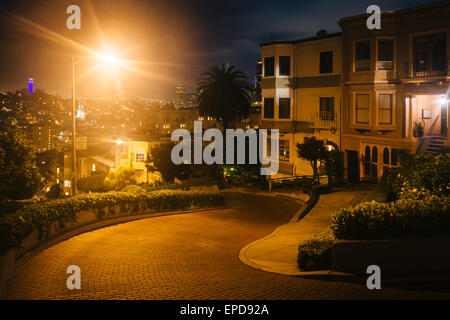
(396, 13)
(315, 38)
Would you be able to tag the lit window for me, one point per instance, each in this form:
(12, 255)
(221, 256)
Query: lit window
(67, 183)
(362, 108)
(93, 167)
(140, 155)
(385, 108)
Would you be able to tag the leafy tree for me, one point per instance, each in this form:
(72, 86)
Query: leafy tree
(159, 159)
(120, 178)
(312, 150)
(19, 175)
(334, 167)
(224, 94)
(47, 161)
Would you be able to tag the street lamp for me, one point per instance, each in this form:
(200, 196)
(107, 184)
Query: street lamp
(109, 60)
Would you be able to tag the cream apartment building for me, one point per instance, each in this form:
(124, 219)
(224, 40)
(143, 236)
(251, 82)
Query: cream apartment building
(396, 80)
(302, 94)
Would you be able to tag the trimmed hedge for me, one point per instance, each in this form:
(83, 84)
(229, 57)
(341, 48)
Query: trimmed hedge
(40, 216)
(405, 217)
(315, 253)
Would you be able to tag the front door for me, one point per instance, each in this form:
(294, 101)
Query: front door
(353, 166)
(444, 119)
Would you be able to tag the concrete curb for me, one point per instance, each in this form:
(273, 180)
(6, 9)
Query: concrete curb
(328, 275)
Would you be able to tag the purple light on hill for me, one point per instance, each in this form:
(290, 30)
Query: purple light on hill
(30, 85)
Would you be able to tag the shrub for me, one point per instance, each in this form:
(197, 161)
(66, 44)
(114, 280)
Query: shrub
(120, 178)
(55, 192)
(40, 216)
(315, 253)
(426, 215)
(134, 189)
(95, 183)
(420, 172)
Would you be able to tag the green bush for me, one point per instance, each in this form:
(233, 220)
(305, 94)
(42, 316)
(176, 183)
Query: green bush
(40, 216)
(120, 178)
(95, 183)
(134, 189)
(419, 172)
(315, 253)
(406, 217)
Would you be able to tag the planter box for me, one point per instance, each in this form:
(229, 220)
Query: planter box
(400, 257)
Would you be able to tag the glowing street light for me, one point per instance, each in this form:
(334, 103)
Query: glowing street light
(109, 60)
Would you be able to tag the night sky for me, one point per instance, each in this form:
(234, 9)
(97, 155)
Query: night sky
(168, 41)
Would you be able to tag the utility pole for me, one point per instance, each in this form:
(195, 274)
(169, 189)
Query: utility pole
(74, 147)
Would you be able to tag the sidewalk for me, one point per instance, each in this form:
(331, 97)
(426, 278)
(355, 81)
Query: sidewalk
(278, 251)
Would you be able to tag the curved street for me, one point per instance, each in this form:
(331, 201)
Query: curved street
(186, 256)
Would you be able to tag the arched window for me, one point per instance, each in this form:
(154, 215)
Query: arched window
(367, 154)
(374, 154)
(386, 156)
(367, 161)
(394, 157)
(374, 165)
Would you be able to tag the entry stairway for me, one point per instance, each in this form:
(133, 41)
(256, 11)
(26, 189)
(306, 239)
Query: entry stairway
(436, 144)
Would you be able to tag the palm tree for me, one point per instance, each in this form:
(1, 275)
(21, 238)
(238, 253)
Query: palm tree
(224, 94)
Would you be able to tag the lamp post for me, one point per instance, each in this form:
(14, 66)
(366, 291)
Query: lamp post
(74, 147)
(109, 60)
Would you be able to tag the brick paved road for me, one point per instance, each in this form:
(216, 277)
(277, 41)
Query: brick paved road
(189, 256)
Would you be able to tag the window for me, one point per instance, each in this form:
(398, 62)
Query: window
(385, 108)
(268, 108)
(125, 152)
(269, 66)
(362, 108)
(374, 166)
(285, 65)
(284, 149)
(67, 183)
(430, 55)
(327, 109)
(362, 55)
(326, 62)
(367, 161)
(284, 108)
(385, 54)
(386, 156)
(140, 155)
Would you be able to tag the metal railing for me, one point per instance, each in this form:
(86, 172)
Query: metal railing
(420, 68)
(324, 120)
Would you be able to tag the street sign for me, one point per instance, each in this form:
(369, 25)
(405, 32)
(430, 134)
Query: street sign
(81, 143)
